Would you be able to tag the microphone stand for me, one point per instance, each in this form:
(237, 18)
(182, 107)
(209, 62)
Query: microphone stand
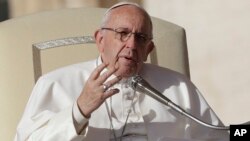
(137, 83)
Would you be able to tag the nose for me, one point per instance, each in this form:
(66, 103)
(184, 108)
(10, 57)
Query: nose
(131, 42)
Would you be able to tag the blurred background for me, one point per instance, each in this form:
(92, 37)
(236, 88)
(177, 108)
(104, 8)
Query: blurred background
(218, 34)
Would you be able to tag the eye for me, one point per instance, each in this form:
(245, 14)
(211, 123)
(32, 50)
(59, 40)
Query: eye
(123, 33)
(141, 37)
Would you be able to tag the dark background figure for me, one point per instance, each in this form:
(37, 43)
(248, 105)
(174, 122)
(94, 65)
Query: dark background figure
(4, 10)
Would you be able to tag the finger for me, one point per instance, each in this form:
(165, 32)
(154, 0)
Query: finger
(105, 87)
(113, 81)
(95, 74)
(106, 75)
(110, 93)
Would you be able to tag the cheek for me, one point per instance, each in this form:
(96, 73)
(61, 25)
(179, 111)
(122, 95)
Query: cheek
(107, 53)
(142, 55)
(110, 52)
(146, 53)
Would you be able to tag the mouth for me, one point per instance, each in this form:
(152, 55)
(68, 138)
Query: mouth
(129, 58)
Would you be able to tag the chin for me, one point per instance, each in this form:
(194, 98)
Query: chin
(126, 73)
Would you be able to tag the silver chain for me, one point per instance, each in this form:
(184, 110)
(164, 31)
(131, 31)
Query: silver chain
(126, 121)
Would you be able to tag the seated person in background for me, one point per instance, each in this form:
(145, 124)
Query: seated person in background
(92, 101)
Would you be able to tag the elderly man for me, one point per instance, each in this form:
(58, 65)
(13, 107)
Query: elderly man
(92, 101)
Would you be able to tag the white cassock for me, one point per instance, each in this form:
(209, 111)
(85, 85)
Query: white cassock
(52, 114)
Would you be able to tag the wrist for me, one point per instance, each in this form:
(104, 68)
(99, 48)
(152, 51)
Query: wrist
(82, 111)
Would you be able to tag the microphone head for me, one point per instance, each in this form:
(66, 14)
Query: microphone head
(138, 83)
(134, 80)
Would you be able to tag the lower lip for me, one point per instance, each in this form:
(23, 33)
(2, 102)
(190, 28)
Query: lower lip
(128, 61)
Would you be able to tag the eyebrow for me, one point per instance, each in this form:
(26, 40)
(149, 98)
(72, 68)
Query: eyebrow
(131, 30)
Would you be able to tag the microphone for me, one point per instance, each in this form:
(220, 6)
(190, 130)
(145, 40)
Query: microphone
(139, 84)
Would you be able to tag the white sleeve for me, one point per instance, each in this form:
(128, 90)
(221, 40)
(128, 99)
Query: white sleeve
(49, 115)
(80, 122)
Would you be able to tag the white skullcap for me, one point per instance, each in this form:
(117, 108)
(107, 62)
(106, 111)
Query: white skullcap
(123, 3)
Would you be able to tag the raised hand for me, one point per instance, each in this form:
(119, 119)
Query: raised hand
(95, 91)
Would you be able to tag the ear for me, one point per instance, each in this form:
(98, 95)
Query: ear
(98, 39)
(148, 49)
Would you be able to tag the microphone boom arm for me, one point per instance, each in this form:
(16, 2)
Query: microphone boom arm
(137, 83)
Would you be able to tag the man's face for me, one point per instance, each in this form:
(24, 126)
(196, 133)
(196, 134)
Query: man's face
(127, 54)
